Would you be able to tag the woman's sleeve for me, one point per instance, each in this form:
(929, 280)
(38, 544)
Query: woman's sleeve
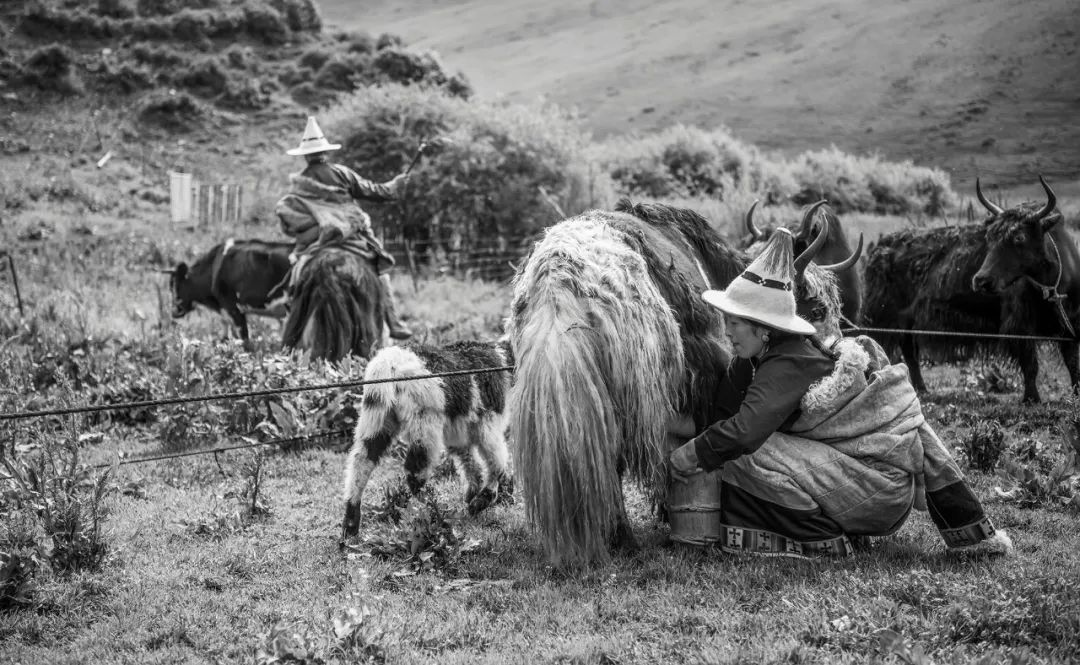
(771, 398)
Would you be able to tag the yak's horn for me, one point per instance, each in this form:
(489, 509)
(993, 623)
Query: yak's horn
(807, 223)
(1051, 200)
(754, 230)
(995, 210)
(849, 261)
(810, 252)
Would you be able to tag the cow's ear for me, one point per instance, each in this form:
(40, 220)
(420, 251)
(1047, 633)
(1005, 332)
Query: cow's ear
(1050, 221)
(181, 271)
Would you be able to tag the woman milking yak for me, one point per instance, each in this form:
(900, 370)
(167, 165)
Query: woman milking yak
(819, 439)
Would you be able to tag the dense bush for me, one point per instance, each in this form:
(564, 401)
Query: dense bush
(691, 162)
(116, 8)
(206, 77)
(485, 184)
(300, 15)
(265, 23)
(173, 111)
(52, 68)
(869, 184)
(984, 445)
(343, 72)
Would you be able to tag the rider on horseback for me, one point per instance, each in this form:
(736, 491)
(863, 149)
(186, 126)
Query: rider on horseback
(322, 209)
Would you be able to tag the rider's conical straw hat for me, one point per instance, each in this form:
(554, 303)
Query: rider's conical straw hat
(765, 291)
(313, 140)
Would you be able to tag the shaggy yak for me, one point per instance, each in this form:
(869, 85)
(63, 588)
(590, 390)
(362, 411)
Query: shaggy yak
(463, 415)
(1003, 276)
(336, 307)
(612, 340)
(836, 250)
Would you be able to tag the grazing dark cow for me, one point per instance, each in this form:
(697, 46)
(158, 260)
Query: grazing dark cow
(236, 277)
(836, 251)
(979, 278)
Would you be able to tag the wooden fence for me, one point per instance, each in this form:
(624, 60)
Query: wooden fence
(204, 205)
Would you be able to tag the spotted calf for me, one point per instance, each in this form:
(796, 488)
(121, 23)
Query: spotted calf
(461, 415)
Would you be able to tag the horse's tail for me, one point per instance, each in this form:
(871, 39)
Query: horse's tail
(598, 359)
(337, 306)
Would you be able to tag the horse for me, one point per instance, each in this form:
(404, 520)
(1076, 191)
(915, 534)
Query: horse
(612, 340)
(336, 307)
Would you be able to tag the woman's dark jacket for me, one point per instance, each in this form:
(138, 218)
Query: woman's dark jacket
(760, 396)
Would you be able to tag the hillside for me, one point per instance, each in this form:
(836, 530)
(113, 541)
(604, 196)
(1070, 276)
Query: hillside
(979, 87)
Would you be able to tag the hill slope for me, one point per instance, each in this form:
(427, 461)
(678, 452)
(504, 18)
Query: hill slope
(981, 87)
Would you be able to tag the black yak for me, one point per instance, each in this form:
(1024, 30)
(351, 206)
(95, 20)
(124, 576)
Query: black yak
(979, 278)
(836, 251)
(236, 277)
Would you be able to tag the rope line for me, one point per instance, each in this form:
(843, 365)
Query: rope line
(213, 451)
(945, 333)
(94, 408)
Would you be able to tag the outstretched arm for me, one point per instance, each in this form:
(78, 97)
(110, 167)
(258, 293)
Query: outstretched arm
(363, 189)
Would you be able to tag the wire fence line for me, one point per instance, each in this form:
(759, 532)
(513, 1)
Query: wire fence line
(949, 333)
(95, 408)
(324, 434)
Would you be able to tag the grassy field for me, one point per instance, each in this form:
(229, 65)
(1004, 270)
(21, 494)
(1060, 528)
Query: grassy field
(202, 567)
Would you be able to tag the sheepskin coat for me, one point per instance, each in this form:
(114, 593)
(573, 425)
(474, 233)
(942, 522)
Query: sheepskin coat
(860, 450)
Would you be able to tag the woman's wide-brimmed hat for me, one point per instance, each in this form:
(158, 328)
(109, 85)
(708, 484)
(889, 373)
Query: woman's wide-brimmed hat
(765, 291)
(313, 140)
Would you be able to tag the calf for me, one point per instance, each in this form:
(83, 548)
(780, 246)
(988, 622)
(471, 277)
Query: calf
(463, 415)
(236, 277)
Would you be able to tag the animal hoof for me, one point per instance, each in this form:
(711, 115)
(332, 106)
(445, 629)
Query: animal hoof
(483, 499)
(506, 490)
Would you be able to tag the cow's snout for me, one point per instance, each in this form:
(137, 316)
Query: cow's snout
(180, 310)
(982, 283)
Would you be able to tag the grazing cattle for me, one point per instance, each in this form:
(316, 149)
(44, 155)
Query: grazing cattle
(980, 278)
(612, 341)
(236, 277)
(836, 251)
(462, 415)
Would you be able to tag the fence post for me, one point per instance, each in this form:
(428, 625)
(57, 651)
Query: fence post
(180, 194)
(412, 264)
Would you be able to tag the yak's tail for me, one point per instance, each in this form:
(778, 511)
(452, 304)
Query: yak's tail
(337, 307)
(598, 359)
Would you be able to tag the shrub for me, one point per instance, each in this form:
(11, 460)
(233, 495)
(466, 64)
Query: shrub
(400, 66)
(342, 72)
(159, 56)
(116, 8)
(265, 23)
(169, 110)
(300, 15)
(313, 59)
(358, 42)
(691, 162)
(206, 77)
(984, 445)
(387, 40)
(485, 184)
(167, 7)
(246, 94)
(69, 510)
(869, 184)
(52, 68)
(128, 78)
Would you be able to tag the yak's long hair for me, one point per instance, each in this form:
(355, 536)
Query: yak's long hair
(611, 339)
(337, 307)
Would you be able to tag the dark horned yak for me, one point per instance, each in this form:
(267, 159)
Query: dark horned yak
(234, 277)
(836, 251)
(998, 277)
(612, 340)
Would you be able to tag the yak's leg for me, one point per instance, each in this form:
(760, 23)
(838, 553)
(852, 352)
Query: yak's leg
(492, 449)
(1069, 354)
(425, 454)
(909, 348)
(368, 448)
(622, 535)
(1027, 357)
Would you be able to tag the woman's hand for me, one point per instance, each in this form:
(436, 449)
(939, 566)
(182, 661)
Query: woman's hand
(683, 462)
(681, 425)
